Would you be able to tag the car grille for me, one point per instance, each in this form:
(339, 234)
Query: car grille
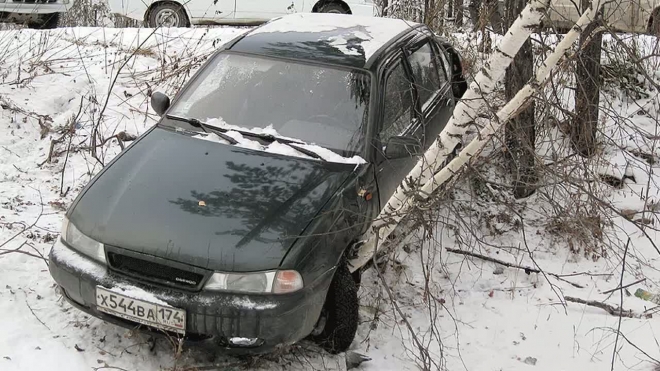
(155, 272)
(35, 1)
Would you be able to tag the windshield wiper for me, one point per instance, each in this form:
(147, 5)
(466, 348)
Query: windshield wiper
(198, 124)
(289, 142)
(266, 137)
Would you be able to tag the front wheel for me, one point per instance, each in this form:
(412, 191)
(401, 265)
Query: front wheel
(339, 318)
(46, 22)
(168, 15)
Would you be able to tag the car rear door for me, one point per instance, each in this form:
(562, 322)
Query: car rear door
(398, 116)
(266, 9)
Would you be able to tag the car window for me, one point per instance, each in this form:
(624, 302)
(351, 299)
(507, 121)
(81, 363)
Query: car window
(398, 103)
(446, 68)
(425, 72)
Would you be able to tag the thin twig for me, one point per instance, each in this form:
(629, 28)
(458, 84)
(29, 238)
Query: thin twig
(624, 287)
(618, 330)
(424, 352)
(72, 130)
(35, 316)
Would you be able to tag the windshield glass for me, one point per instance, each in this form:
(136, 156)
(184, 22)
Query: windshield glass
(316, 104)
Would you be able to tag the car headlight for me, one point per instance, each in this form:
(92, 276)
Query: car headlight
(81, 243)
(276, 282)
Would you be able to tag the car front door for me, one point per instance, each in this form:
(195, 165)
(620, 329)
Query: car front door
(211, 9)
(428, 65)
(266, 9)
(398, 118)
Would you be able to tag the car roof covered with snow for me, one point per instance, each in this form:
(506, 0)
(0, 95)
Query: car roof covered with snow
(340, 39)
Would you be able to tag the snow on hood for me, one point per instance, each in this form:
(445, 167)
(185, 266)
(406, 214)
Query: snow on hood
(274, 147)
(374, 31)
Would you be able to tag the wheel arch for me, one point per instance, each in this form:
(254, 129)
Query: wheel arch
(154, 4)
(319, 4)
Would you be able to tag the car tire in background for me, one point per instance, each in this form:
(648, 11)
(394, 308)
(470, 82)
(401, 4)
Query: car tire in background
(335, 8)
(654, 23)
(168, 15)
(46, 22)
(340, 313)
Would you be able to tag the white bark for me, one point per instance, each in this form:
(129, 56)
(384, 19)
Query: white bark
(465, 110)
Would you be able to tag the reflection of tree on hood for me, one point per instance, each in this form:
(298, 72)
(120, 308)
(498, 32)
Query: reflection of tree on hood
(265, 197)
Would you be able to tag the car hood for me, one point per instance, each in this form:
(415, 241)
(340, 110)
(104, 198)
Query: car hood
(206, 204)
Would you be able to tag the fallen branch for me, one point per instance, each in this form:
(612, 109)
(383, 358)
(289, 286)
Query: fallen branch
(604, 306)
(527, 269)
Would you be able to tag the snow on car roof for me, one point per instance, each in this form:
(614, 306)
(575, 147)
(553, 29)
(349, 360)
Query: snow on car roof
(335, 38)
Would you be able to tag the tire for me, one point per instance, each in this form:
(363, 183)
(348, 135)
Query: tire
(340, 313)
(168, 15)
(334, 8)
(46, 22)
(654, 23)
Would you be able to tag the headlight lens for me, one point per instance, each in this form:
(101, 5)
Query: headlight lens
(81, 243)
(276, 282)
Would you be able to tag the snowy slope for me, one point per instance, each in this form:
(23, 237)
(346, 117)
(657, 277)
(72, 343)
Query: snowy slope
(487, 318)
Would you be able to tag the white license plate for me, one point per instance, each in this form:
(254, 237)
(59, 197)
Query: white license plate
(154, 315)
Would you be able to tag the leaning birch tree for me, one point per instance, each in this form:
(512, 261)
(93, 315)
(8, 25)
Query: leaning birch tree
(428, 175)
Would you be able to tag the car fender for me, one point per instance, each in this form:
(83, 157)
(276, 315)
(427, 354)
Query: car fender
(320, 247)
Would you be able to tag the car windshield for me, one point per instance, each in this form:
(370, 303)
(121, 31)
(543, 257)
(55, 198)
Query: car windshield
(316, 104)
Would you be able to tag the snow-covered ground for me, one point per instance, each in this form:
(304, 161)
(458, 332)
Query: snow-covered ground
(487, 317)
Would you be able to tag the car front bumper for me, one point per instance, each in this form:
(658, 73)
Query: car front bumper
(213, 317)
(34, 8)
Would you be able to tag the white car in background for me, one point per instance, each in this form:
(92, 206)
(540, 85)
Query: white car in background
(41, 14)
(184, 13)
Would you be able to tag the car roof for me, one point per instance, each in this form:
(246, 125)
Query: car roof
(340, 39)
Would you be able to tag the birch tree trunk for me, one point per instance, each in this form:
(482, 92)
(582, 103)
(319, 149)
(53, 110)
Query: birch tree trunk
(426, 172)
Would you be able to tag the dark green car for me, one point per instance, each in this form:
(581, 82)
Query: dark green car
(229, 221)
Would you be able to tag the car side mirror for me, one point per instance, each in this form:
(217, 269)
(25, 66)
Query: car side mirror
(160, 102)
(402, 146)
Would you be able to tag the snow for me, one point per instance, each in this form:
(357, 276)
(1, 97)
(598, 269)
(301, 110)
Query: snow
(246, 303)
(241, 341)
(75, 259)
(373, 32)
(486, 321)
